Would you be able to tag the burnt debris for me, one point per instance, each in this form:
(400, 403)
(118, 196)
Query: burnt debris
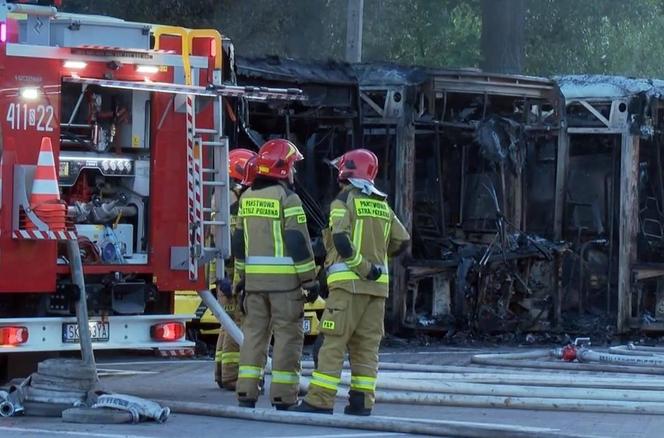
(534, 204)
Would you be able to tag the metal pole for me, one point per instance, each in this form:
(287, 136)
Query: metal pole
(226, 321)
(354, 30)
(76, 267)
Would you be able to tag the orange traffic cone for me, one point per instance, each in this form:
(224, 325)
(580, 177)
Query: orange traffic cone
(45, 196)
(45, 186)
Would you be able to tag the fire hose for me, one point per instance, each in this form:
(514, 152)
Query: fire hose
(482, 395)
(633, 350)
(137, 407)
(548, 379)
(512, 390)
(645, 348)
(438, 428)
(568, 366)
(641, 361)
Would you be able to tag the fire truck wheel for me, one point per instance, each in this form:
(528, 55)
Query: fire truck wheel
(37, 409)
(66, 368)
(96, 416)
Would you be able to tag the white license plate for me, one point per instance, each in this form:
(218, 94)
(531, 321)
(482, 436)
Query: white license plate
(306, 325)
(99, 331)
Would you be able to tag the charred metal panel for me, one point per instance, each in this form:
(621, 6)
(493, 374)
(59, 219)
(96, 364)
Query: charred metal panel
(615, 191)
(483, 146)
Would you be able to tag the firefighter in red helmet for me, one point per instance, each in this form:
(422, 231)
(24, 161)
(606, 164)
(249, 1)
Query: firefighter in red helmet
(363, 231)
(273, 256)
(241, 169)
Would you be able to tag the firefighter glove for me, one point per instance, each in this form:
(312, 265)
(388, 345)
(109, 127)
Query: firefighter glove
(311, 292)
(225, 287)
(374, 274)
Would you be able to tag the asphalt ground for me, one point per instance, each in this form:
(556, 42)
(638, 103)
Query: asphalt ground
(192, 380)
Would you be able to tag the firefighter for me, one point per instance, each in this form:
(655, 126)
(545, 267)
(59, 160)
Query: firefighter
(274, 258)
(363, 231)
(227, 356)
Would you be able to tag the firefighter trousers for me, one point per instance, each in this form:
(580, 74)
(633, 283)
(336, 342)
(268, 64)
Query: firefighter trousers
(227, 355)
(351, 323)
(281, 314)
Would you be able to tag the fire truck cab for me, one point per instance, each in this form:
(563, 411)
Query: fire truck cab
(135, 116)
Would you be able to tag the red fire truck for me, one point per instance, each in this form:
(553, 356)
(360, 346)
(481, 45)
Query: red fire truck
(135, 114)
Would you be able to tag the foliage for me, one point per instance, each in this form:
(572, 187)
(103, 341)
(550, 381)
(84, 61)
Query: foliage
(425, 32)
(196, 13)
(595, 36)
(562, 36)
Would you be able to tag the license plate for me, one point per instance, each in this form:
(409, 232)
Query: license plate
(306, 325)
(99, 331)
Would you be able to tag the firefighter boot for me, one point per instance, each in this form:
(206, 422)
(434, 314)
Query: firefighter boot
(309, 409)
(356, 404)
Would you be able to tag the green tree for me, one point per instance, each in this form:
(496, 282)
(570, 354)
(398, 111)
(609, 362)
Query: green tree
(594, 36)
(561, 36)
(191, 13)
(424, 32)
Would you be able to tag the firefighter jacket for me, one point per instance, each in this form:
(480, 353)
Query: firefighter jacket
(271, 241)
(363, 231)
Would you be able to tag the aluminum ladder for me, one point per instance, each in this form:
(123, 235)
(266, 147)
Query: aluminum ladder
(208, 190)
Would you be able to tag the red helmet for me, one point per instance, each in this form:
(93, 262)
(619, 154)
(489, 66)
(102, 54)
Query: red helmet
(237, 162)
(249, 173)
(276, 158)
(358, 163)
